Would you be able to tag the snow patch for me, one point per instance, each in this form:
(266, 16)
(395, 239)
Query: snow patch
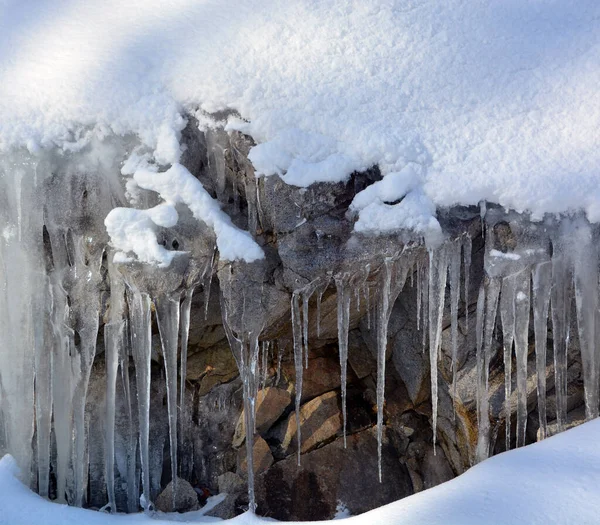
(133, 230)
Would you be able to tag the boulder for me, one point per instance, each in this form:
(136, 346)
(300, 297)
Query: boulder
(186, 498)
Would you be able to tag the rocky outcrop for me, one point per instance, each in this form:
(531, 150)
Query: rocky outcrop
(308, 240)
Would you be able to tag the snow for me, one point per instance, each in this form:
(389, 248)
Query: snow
(133, 230)
(552, 482)
(494, 99)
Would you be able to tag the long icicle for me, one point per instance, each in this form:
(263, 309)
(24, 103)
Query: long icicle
(542, 283)
(454, 267)
(245, 348)
(297, 334)
(467, 249)
(561, 310)
(522, 286)
(186, 310)
(491, 305)
(438, 272)
(507, 317)
(167, 315)
(114, 332)
(383, 308)
(139, 308)
(343, 322)
(585, 278)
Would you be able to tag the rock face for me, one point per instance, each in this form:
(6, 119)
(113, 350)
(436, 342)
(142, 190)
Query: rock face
(306, 234)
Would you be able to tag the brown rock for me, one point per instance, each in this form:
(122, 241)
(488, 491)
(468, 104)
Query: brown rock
(271, 402)
(322, 375)
(262, 457)
(329, 475)
(212, 366)
(320, 420)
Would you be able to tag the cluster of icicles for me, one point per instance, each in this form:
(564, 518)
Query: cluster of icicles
(50, 308)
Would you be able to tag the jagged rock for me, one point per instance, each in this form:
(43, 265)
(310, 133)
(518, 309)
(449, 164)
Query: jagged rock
(320, 420)
(271, 402)
(330, 474)
(186, 498)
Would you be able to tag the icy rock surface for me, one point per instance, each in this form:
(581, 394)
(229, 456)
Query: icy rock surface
(409, 358)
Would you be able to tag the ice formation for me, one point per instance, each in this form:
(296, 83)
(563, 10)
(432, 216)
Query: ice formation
(57, 260)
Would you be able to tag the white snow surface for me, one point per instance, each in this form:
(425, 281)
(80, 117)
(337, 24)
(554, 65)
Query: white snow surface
(495, 99)
(133, 230)
(553, 482)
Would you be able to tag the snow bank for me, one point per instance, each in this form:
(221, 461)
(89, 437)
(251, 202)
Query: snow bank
(554, 482)
(495, 99)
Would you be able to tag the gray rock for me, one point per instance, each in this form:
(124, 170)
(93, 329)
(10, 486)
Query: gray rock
(185, 500)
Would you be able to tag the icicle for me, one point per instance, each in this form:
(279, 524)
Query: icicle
(438, 272)
(43, 396)
(367, 296)
(64, 376)
(585, 278)
(113, 340)
(279, 359)
(132, 479)
(479, 356)
(522, 285)
(297, 334)
(542, 283)
(419, 295)
(382, 328)
(322, 285)
(454, 270)
(167, 315)
(483, 367)
(305, 299)
(425, 300)
(343, 323)
(561, 319)
(507, 317)
(319, 297)
(139, 308)
(245, 348)
(265, 363)
(186, 309)
(207, 282)
(393, 277)
(467, 249)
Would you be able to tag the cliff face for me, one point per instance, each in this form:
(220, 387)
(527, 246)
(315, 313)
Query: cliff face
(376, 366)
